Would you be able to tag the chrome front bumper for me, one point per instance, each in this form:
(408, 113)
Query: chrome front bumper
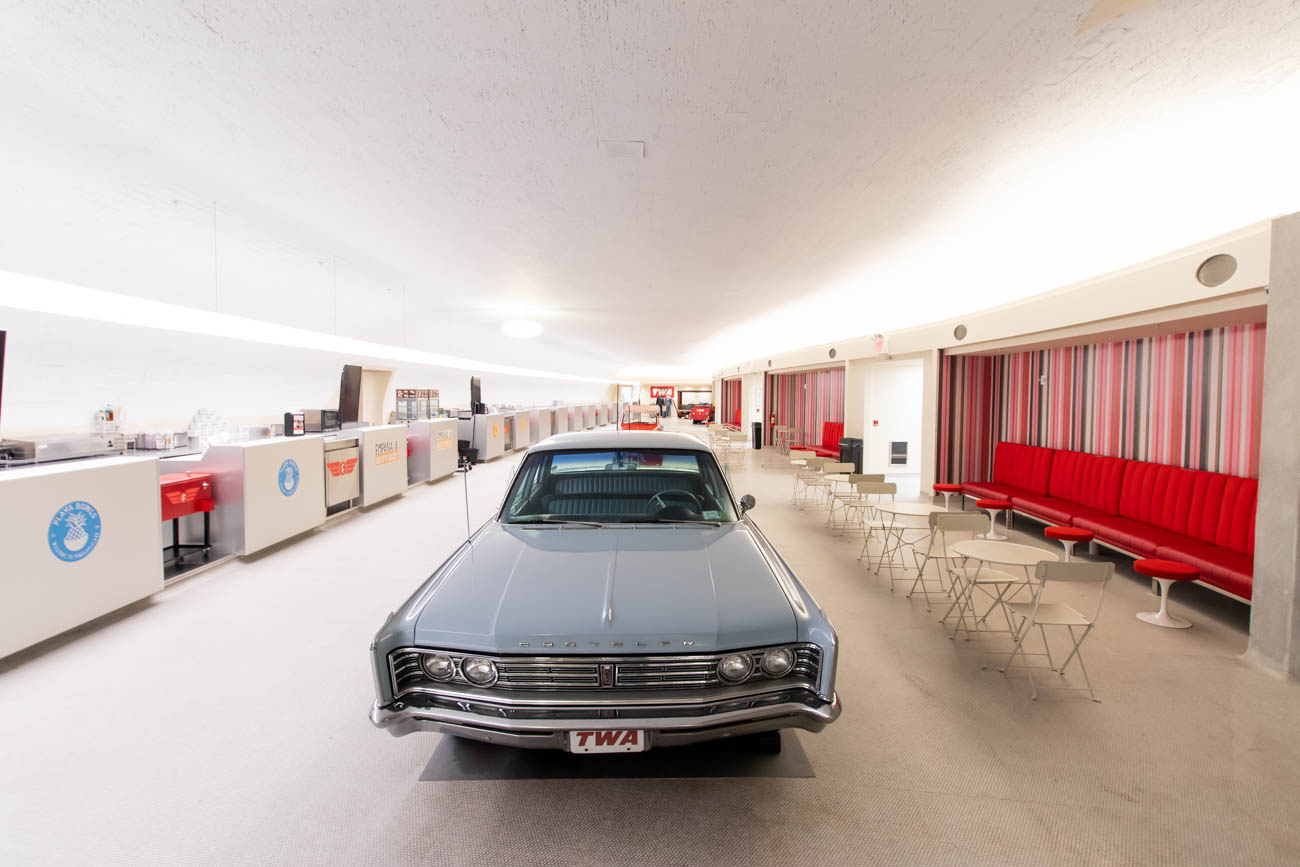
(402, 719)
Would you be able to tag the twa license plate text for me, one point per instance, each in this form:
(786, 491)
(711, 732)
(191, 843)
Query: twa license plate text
(610, 741)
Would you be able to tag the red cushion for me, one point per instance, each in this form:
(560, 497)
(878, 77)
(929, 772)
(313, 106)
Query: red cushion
(825, 451)
(991, 489)
(951, 489)
(1211, 507)
(993, 504)
(1047, 508)
(1022, 466)
(1090, 480)
(1068, 534)
(1130, 535)
(1166, 569)
(1219, 567)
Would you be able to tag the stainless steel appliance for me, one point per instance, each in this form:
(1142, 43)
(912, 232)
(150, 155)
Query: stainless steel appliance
(319, 420)
(65, 448)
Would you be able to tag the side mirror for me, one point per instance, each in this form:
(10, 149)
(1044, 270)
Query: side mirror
(747, 502)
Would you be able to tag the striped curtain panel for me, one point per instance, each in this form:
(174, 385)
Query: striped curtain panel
(1189, 400)
(804, 400)
(730, 409)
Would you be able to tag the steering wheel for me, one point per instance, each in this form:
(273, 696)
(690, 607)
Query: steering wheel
(663, 496)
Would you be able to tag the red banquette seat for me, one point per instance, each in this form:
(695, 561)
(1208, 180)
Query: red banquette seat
(1203, 519)
(829, 447)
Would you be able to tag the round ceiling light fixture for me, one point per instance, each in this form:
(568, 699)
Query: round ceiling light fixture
(521, 328)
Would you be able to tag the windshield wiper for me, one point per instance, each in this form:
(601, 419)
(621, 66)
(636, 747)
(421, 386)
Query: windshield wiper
(679, 521)
(567, 521)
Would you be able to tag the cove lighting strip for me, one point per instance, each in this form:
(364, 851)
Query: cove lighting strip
(24, 292)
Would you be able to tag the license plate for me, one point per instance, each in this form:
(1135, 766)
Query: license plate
(608, 741)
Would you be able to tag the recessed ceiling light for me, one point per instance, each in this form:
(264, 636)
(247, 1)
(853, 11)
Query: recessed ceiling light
(521, 328)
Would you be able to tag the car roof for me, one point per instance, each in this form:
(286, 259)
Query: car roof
(620, 439)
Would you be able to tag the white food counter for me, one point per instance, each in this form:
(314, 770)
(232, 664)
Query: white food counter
(383, 462)
(77, 540)
(265, 491)
(433, 449)
(541, 422)
(488, 434)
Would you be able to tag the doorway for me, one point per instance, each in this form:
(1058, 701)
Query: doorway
(894, 411)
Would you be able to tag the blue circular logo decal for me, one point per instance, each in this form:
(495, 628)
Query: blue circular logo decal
(74, 531)
(289, 477)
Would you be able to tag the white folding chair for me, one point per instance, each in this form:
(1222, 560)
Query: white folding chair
(821, 486)
(1043, 614)
(850, 502)
(811, 472)
(945, 528)
(872, 493)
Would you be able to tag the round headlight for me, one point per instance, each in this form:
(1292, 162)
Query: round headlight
(479, 671)
(736, 667)
(438, 666)
(778, 661)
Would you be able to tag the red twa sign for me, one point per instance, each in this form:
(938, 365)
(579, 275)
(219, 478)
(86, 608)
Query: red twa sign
(663, 391)
(612, 741)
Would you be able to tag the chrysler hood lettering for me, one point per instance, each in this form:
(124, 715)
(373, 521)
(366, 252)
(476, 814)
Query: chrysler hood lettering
(698, 589)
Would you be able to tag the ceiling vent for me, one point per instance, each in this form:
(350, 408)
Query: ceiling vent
(622, 150)
(1216, 270)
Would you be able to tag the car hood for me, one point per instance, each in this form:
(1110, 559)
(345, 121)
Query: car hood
(648, 589)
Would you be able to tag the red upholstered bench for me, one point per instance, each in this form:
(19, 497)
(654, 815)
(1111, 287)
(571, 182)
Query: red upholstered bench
(829, 447)
(1202, 519)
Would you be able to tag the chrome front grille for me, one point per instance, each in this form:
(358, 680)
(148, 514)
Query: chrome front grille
(563, 673)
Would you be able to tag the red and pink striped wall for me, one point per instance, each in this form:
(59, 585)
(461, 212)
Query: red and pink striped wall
(1189, 400)
(730, 408)
(804, 400)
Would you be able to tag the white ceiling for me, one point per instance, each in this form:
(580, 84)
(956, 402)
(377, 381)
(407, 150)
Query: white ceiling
(882, 164)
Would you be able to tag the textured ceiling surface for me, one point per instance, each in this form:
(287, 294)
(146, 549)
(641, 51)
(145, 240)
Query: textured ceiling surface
(416, 172)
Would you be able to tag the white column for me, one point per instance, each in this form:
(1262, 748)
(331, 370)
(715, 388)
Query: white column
(1275, 609)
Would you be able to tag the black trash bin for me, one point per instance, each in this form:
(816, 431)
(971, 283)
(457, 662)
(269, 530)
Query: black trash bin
(851, 452)
(758, 434)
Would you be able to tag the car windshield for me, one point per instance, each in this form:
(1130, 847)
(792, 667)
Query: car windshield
(619, 487)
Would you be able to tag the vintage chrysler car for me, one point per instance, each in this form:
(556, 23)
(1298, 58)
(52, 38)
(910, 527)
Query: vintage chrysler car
(619, 600)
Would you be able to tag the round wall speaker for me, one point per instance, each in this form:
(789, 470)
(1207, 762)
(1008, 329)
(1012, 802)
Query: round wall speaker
(1216, 270)
(959, 332)
(832, 353)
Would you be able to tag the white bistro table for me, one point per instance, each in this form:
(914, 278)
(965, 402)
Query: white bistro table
(987, 552)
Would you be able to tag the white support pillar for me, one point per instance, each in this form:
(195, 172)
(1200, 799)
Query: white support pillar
(1275, 608)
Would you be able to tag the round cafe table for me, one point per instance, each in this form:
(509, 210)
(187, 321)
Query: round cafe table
(892, 531)
(988, 552)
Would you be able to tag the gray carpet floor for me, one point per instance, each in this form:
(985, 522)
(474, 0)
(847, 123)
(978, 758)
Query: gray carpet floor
(224, 722)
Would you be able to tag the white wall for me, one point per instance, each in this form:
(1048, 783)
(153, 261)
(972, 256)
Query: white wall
(894, 412)
(60, 369)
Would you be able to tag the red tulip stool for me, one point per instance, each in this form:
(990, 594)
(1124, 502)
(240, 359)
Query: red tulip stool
(947, 491)
(1165, 573)
(1067, 536)
(993, 507)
